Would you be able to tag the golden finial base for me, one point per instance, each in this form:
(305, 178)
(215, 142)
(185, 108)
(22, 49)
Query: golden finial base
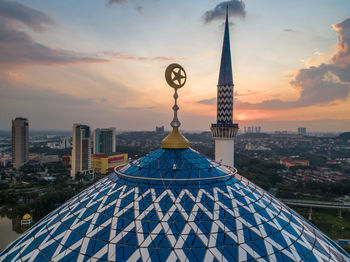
(175, 140)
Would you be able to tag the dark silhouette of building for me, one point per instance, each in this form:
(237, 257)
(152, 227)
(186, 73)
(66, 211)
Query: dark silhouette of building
(20, 142)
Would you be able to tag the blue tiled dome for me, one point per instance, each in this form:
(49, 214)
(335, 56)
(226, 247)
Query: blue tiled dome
(173, 205)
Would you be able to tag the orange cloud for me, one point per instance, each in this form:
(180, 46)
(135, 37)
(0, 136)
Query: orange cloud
(317, 85)
(120, 56)
(319, 58)
(343, 56)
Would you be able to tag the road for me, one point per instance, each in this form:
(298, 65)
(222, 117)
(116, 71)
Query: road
(310, 203)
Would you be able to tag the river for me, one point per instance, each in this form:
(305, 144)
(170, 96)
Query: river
(6, 232)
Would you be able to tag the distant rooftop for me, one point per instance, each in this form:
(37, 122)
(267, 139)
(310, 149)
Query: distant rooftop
(107, 154)
(21, 118)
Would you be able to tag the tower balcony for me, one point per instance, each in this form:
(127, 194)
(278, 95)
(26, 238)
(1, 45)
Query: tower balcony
(224, 131)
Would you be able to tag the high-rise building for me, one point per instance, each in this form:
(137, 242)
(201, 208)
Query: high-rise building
(224, 131)
(66, 142)
(81, 152)
(20, 141)
(104, 140)
(159, 130)
(252, 129)
(302, 131)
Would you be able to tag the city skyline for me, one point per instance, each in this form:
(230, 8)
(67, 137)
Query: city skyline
(60, 64)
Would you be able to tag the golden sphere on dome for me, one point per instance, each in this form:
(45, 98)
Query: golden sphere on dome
(26, 217)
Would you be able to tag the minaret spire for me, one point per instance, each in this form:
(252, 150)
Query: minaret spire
(225, 76)
(224, 131)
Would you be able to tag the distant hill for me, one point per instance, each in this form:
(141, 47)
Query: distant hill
(345, 136)
(5, 133)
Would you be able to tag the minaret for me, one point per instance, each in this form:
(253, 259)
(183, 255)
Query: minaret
(224, 131)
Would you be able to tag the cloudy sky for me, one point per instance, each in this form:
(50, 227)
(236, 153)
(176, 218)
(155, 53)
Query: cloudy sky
(102, 63)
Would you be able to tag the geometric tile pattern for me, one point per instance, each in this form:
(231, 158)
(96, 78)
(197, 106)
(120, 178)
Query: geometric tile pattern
(170, 164)
(174, 214)
(225, 105)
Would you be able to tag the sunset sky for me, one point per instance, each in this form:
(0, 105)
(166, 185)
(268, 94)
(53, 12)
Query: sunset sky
(102, 63)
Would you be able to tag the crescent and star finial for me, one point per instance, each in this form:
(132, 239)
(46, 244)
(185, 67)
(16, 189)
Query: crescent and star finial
(176, 77)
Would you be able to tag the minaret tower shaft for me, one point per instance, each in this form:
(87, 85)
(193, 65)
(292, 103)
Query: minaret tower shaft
(224, 131)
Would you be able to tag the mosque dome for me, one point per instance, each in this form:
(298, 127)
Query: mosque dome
(26, 217)
(173, 204)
